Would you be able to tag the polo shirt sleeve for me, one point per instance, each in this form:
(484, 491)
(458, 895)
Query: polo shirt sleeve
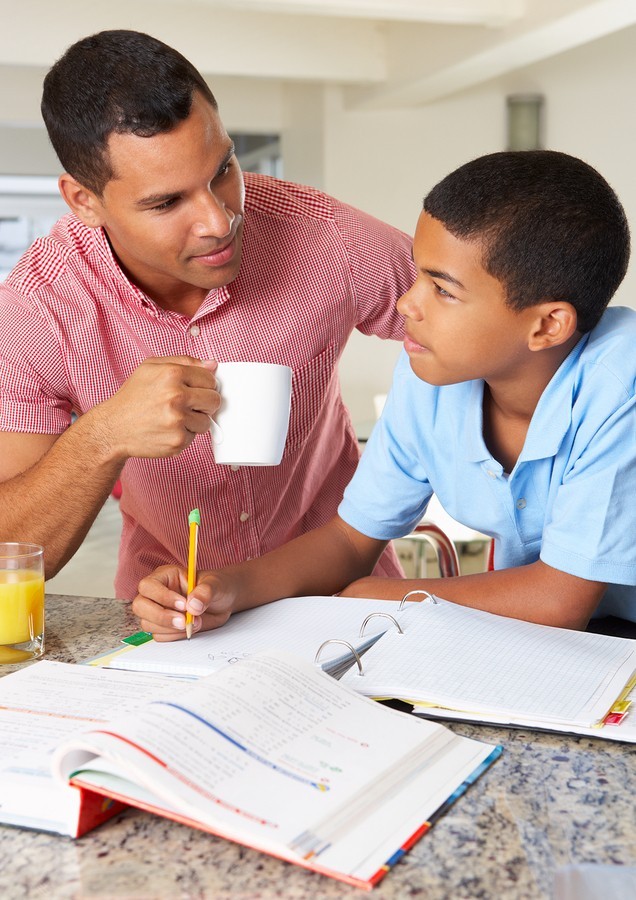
(381, 266)
(591, 528)
(33, 387)
(390, 491)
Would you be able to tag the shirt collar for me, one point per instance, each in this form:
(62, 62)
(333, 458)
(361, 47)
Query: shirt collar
(213, 300)
(550, 421)
(553, 415)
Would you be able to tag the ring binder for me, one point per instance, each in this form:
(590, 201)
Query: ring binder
(346, 644)
(384, 616)
(410, 594)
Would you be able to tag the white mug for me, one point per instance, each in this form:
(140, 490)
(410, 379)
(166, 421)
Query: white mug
(250, 426)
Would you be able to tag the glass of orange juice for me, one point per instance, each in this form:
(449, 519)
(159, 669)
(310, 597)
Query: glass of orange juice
(21, 602)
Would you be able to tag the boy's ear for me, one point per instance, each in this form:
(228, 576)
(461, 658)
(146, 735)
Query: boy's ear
(84, 203)
(554, 324)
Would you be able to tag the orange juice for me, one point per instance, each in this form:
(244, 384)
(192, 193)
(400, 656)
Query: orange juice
(21, 606)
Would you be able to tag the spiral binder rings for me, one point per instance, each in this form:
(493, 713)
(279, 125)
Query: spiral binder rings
(453, 662)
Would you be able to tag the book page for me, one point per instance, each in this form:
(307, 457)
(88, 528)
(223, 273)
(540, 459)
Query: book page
(297, 624)
(42, 703)
(471, 660)
(40, 706)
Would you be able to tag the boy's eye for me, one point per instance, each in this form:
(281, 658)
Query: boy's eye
(441, 291)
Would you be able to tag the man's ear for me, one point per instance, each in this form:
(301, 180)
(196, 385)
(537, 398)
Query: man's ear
(555, 323)
(84, 203)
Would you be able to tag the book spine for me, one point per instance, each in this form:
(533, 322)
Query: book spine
(94, 809)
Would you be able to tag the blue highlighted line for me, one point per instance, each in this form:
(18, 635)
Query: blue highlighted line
(255, 756)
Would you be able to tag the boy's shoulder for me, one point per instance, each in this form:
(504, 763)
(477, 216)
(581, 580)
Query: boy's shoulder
(611, 343)
(607, 361)
(616, 320)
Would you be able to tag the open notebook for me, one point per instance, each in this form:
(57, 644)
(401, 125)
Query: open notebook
(297, 624)
(462, 663)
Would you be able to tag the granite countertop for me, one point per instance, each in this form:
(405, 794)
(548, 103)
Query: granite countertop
(549, 801)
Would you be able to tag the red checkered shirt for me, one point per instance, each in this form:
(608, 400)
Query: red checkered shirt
(73, 328)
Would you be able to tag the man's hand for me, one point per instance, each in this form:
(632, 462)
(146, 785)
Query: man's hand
(159, 409)
(160, 604)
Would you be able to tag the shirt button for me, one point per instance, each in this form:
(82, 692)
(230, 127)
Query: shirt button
(235, 468)
(490, 473)
(521, 503)
(244, 516)
(195, 331)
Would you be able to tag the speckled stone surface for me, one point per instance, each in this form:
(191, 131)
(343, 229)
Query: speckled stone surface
(549, 801)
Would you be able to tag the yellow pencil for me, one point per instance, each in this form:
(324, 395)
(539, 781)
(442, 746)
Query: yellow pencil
(194, 520)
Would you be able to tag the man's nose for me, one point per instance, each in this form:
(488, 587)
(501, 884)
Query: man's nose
(212, 218)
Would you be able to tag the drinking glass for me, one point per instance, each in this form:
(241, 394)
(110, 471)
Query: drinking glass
(21, 602)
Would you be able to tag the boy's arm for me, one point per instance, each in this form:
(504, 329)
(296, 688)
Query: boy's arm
(535, 592)
(321, 562)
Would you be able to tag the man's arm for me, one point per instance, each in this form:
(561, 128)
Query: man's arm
(53, 486)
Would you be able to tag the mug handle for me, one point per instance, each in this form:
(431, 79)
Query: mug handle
(216, 432)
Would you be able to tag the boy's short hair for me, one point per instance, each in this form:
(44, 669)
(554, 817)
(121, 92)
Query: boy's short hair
(552, 228)
(114, 82)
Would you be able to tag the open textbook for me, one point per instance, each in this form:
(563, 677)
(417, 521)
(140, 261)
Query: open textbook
(275, 754)
(41, 705)
(460, 663)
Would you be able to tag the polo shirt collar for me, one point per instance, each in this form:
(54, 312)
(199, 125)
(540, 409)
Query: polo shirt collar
(553, 416)
(550, 422)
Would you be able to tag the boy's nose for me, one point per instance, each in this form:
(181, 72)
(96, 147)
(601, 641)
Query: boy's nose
(407, 306)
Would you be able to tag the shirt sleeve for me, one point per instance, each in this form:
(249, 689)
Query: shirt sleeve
(34, 394)
(381, 266)
(390, 490)
(591, 528)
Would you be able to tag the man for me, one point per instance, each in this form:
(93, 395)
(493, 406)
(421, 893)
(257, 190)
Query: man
(168, 262)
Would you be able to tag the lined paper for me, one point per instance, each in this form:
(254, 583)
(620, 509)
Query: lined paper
(296, 624)
(475, 661)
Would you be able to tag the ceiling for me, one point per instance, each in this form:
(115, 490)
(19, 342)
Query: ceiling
(385, 54)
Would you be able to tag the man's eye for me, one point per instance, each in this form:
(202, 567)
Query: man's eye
(442, 292)
(165, 205)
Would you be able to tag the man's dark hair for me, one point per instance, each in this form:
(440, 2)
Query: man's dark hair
(123, 82)
(551, 227)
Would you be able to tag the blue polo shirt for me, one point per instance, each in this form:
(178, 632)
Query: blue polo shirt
(570, 499)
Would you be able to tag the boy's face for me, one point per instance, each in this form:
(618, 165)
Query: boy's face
(457, 324)
(173, 211)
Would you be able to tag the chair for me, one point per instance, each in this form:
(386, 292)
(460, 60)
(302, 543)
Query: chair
(446, 552)
(445, 535)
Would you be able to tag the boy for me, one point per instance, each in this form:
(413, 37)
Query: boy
(513, 401)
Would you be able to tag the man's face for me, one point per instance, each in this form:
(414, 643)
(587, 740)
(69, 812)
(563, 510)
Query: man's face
(457, 324)
(173, 211)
